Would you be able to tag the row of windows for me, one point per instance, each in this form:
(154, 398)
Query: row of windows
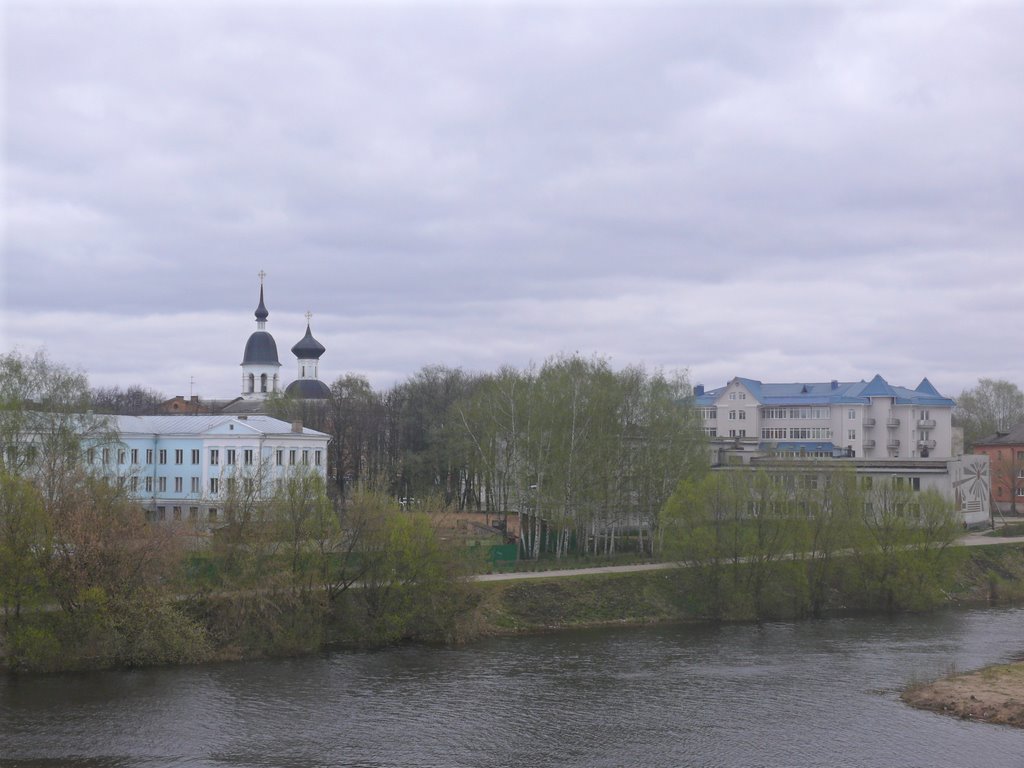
(737, 395)
(125, 456)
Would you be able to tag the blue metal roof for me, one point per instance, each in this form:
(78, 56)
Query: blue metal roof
(832, 393)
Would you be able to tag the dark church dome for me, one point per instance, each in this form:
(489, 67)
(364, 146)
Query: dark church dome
(308, 389)
(308, 348)
(260, 349)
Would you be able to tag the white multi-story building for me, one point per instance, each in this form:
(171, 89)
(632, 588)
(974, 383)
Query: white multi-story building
(865, 419)
(185, 467)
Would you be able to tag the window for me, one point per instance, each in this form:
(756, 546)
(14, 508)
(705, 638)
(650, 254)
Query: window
(925, 415)
(149, 455)
(851, 434)
(732, 415)
(231, 485)
(743, 415)
(135, 455)
(743, 395)
(709, 413)
(851, 414)
(214, 485)
(915, 483)
(866, 482)
(316, 458)
(122, 456)
(732, 395)
(263, 383)
(231, 457)
(775, 413)
(279, 456)
(1020, 491)
(710, 431)
(195, 455)
(743, 433)
(291, 456)
(214, 456)
(161, 513)
(176, 511)
(305, 457)
(179, 456)
(149, 485)
(1020, 455)
(195, 485)
(106, 455)
(163, 455)
(161, 485)
(193, 513)
(249, 485)
(178, 484)
(213, 513)
(247, 456)
(90, 455)
(135, 484)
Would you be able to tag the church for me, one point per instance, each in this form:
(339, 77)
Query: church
(261, 373)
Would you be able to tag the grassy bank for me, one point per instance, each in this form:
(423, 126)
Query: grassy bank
(267, 623)
(992, 695)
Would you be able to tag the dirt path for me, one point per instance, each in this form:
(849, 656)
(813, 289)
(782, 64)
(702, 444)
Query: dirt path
(992, 695)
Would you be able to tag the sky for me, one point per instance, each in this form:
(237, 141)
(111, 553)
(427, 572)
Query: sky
(780, 191)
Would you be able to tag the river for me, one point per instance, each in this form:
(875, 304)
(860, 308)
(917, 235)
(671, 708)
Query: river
(810, 693)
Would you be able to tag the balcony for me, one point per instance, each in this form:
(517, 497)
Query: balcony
(869, 421)
(868, 442)
(926, 423)
(929, 444)
(893, 443)
(892, 422)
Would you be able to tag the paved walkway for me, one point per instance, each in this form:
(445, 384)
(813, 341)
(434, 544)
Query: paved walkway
(975, 539)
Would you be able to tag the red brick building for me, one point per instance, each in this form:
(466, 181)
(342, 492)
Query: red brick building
(1005, 451)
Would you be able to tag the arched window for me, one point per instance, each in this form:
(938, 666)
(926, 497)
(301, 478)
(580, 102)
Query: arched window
(263, 383)
(303, 371)
(252, 383)
(275, 382)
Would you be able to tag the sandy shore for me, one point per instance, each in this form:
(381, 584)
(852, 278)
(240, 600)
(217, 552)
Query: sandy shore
(992, 695)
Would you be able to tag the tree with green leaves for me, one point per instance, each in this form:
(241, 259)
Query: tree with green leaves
(994, 405)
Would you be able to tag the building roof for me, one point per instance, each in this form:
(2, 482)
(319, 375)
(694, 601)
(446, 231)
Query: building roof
(1015, 436)
(832, 393)
(308, 348)
(204, 424)
(260, 349)
(308, 389)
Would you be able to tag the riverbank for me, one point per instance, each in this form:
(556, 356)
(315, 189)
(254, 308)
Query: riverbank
(992, 695)
(255, 625)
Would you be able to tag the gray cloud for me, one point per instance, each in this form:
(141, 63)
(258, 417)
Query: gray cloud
(783, 191)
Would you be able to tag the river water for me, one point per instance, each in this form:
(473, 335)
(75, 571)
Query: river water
(811, 693)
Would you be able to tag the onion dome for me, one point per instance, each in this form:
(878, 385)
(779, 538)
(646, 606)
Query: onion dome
(308, 348)
(261, 312)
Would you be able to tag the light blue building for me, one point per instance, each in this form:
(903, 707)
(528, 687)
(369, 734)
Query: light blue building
(184, 467)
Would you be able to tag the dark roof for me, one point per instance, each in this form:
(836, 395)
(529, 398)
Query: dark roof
(308, 348)
(261, 310)
(260, 348)
(308, 389)
(1015, 436)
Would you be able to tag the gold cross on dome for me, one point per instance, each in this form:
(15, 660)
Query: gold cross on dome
(262, 274)
(309, 316)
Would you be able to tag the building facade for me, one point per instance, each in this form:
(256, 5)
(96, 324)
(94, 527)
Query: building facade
(187, 467)
(1005, 451)
(864, 419)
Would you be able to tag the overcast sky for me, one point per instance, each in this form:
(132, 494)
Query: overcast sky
(783, 191)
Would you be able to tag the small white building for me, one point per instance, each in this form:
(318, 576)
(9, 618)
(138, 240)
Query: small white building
(184, 467)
